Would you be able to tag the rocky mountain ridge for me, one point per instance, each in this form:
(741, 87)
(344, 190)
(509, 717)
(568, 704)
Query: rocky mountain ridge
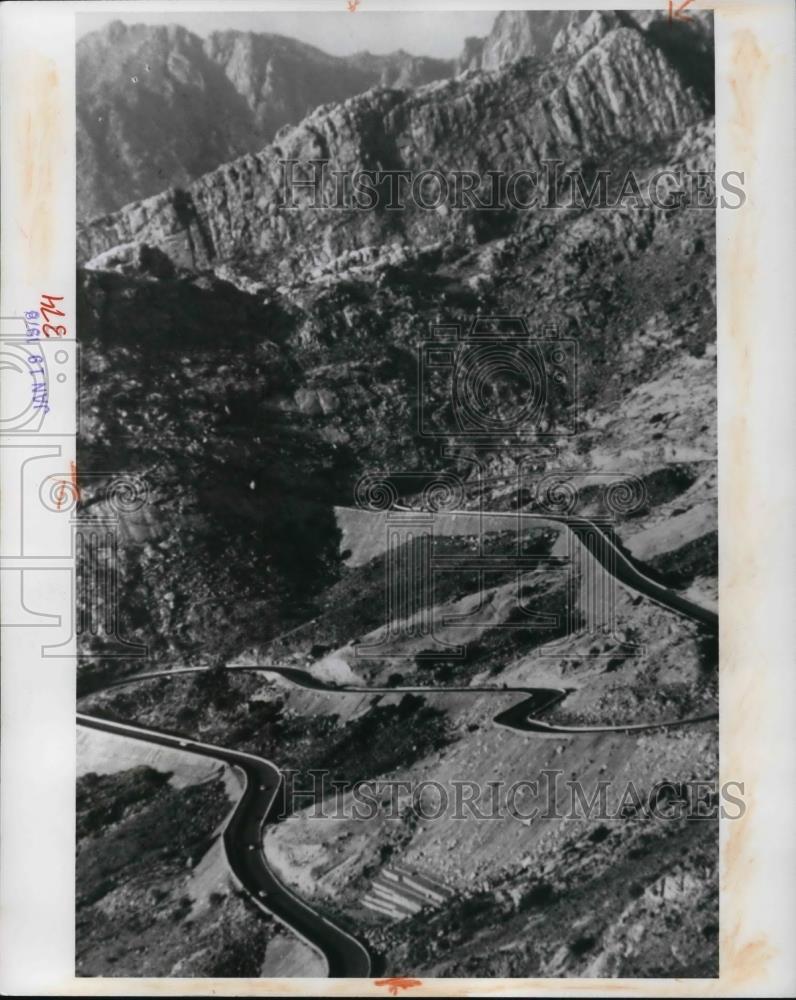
(146, 93)
(517, 34)
(612, 87)
(159, 105)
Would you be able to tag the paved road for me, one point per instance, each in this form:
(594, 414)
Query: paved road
(243, 843)
(517, 717)
(243, 836)
(619, 565)
(542, 697)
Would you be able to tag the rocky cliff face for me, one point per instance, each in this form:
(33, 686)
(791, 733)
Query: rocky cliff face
(520, 33)
(470, 56)
(152, 110)
(608, 89)
(282, 80)
(157, 106)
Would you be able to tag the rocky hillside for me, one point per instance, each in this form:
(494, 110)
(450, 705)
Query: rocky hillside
(520, 33)
(251, 360)
(294, 332)
(612, 91)
(150, 857)
(158, 106)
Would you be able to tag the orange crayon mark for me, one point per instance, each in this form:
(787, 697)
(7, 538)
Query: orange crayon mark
(73, 480)
(352, 5)
(396, 983)
(72, 485)
(676, 13)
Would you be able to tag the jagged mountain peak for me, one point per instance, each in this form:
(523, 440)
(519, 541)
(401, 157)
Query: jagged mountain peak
(616, 92)
(518, 33)
(158, 105)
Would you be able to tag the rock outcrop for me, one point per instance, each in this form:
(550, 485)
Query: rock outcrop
(609, 88)
(159, 106)
(519, 33)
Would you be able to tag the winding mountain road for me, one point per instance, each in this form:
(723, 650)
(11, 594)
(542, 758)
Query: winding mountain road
(345, 956)
(614, 559)
(243, 844)
(243, 835)
(517, 717)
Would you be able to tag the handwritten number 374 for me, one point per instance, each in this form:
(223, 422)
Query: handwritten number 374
(48, 309)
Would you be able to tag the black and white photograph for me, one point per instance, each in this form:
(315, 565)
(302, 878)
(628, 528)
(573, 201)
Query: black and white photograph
(396, 499)
(396, 542)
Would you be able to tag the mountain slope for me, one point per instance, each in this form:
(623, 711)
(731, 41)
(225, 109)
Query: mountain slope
(517, 34)
(252, 360)
(159, 106)
(345, 298)
(612, 91)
